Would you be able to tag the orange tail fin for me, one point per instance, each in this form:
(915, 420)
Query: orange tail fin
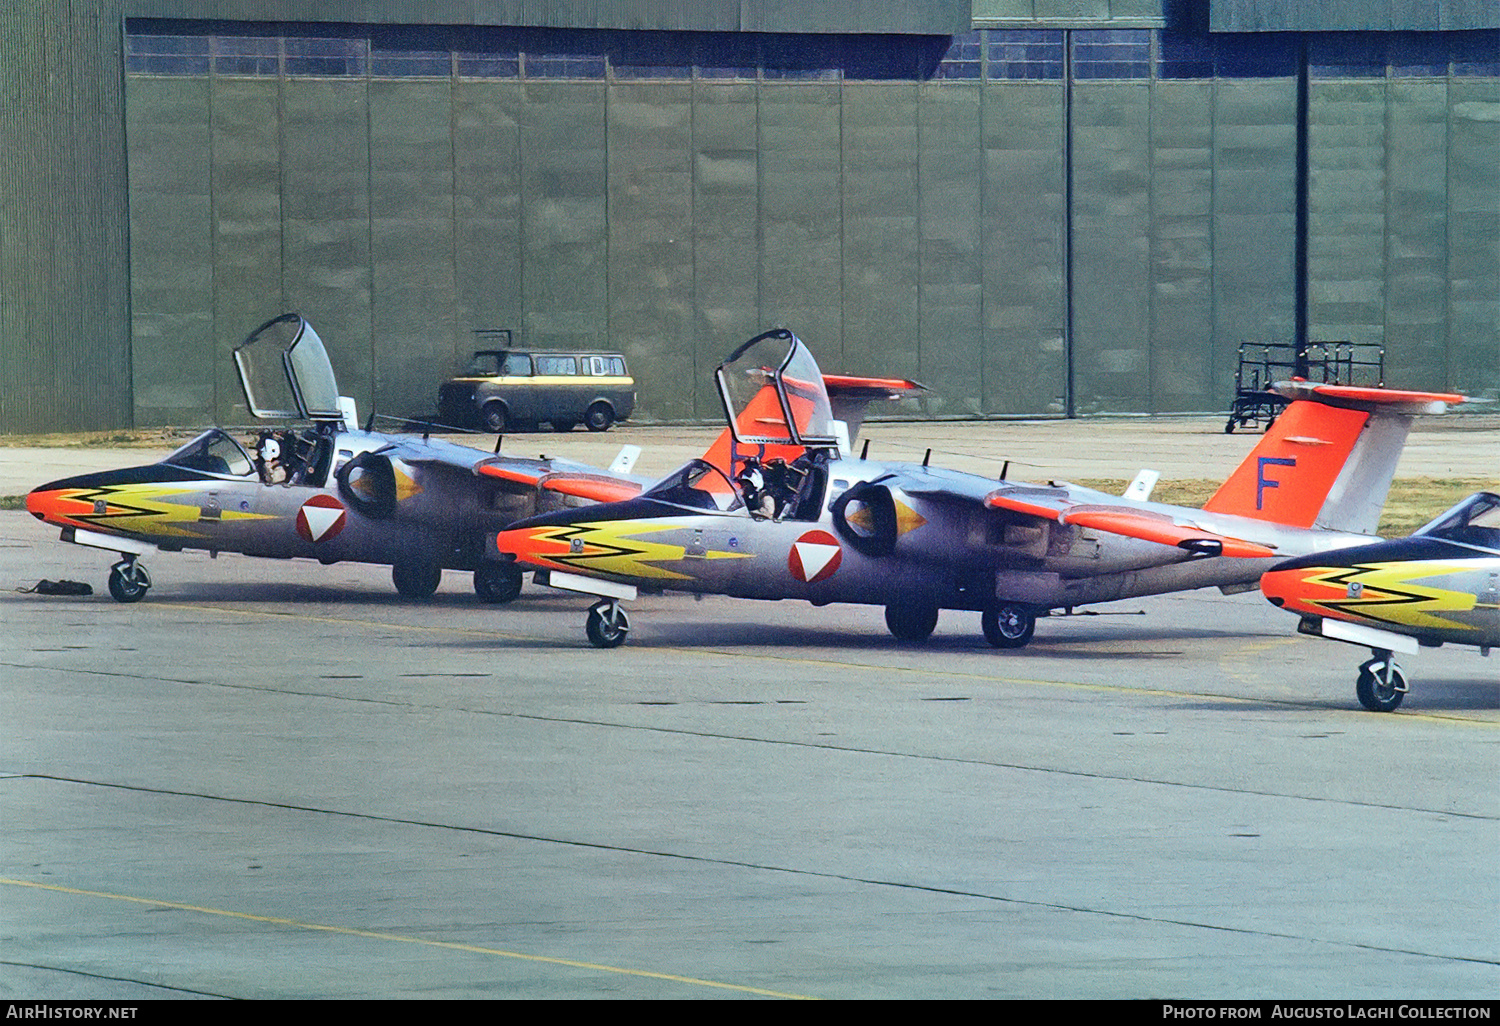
(1328, 460)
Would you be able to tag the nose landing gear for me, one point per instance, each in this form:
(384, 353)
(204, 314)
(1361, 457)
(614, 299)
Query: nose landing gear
(1381, 684)
(607, 624)
(128, 579)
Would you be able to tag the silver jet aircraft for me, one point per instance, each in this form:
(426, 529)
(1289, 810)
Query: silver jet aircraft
(324, 490)
(786, 512)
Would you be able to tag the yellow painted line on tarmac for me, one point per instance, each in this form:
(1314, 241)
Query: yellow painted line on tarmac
(403, 939)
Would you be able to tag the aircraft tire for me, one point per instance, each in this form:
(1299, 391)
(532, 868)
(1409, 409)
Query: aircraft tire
(129, 584)
(497, 582)
(1008, 625)
(606, 627)
(913, 622)
(1376, 696)
(417, 581)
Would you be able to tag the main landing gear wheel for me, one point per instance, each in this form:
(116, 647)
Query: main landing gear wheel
(607, 624)
(497, 582)
(1381, 684)
(911, 623)
(416, 580)
(129, 581)
(1008, 626)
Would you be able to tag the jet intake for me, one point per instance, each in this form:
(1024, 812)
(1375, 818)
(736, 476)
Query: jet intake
(368, 483)
(866, 516)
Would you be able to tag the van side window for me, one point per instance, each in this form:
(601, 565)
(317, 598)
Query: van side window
(556, 365)
(517, 365)
(596, 365)
(617, 366)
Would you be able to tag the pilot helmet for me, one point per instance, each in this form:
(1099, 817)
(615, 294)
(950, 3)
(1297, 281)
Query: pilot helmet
(270, 449)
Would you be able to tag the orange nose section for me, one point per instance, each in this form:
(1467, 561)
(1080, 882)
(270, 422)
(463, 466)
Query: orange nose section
(53, 505)
(533, 545)
(1290, 589)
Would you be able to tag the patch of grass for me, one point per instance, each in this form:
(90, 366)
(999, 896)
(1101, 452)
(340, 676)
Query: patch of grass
(150, 439)
(12, 502)
(1412, 501)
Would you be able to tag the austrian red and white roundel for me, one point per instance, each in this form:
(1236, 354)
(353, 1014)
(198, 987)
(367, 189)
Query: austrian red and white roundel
(814, 557)
(321, 518)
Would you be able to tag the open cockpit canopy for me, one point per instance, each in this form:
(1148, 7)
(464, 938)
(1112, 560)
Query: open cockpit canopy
(773, 393)
(285, 372)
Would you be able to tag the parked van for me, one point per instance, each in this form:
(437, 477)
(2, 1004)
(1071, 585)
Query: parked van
(518, 389)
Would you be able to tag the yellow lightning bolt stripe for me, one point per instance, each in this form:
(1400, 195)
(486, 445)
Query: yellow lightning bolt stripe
(1387, 593)
(615, 547)
(146, 509)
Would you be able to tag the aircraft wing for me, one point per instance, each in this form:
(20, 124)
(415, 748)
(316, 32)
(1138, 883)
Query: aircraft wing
(578, 483)
(1129, 521)
(1067, 504)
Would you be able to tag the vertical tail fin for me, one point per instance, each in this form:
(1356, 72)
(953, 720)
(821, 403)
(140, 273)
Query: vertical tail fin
(1328, 460)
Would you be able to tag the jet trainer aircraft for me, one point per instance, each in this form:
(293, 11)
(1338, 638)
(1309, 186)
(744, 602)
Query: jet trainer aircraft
(327, 491)
(783, 511)
(1441, 584)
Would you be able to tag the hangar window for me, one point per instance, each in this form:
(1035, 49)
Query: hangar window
(1112, 53)
(411, 63)
(167, 55)
(327, 57)
(488, 65)
(1024, 56)
(552, 65)
(962, 61)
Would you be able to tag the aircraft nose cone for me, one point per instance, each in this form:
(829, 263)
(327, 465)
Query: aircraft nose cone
(1283, 588)
(41, 501)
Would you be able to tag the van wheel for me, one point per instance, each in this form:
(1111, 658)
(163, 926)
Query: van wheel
(599, 417)
(492, 414)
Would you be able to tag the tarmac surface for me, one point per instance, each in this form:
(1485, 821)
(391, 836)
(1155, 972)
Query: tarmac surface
(280, 780)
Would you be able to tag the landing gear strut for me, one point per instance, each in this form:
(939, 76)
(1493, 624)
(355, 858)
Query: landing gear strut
(607, 624)
(1381, 684)
(128, 579)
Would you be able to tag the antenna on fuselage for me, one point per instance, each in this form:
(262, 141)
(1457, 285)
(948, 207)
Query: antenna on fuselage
(498, 439)
(1005, 470)
(926, 457)
(865, 452)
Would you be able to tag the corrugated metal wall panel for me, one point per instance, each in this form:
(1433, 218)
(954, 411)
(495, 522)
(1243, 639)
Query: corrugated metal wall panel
(1255, 218)
(64, 273)
(651, 241)
(950, 180)
(881, 220)
(411, 241)
(247, 219)
(1347, 210)
(1111, 247)
(1416, 310)
(1025, 286)
(486, 211)
(800, 256)
(928, 17)
(1352, 15)
(325, 209)
(565, 248)
(1182, 245)
(1473, 277)
(172, 251)
(726, 218)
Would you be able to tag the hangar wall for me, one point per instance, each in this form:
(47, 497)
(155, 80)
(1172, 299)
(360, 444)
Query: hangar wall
(1032, 228)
